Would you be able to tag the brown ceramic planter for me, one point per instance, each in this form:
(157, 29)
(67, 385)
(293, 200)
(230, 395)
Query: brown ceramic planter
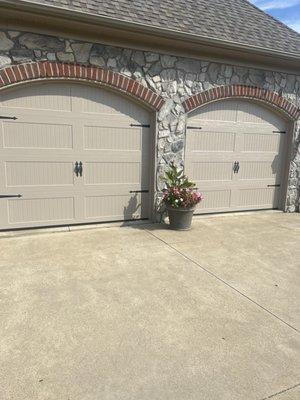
(180, 218)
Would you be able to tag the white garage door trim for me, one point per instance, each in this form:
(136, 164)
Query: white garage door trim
(237, 130)
(33, 105)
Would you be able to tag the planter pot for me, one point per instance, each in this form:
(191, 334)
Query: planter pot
(180, 218)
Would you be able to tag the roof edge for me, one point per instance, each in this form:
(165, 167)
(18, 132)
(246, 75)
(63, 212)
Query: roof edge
(31, 6)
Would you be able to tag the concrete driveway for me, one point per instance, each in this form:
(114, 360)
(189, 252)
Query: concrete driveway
(144, 313)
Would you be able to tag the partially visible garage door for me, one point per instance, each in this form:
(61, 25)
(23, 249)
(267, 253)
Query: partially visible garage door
(75, 154)
(235, 151)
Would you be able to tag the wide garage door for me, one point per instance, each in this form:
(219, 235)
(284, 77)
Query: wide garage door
(236, 153)
(75, 154)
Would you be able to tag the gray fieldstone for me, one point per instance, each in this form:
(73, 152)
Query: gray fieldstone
(177, 146)
(188, 65)
(4, 61)
(113, 51)
(98, 61)
(5, 42)
(168, 75)
(151, 83)
(151, 57)
(155, 69)
(111, 63)
(51, 56)
(228, 71)
(139, 58)
(125, 71)
(81, 51)
(166, 109)
(65, 57)
(167, 61)
(22, 55)
(37, 53)
(213, 71)
(13, 34)
(41, 42)
(97, 50)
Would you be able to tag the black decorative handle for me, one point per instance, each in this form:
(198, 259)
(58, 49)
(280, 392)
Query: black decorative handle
(80, 168)
(236, 167)
(76, 168)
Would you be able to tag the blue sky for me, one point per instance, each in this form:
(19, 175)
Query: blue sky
(287, 11)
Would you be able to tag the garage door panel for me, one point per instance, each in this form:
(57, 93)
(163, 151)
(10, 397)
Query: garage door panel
(259, 169)
(217, 111)
(254, 197)
(111, 173)
(215, 199)
(91, 100)
(37, 135)
(251, 112)
(255, 143)
(261, 142)
(32, 173)
(39, 97)
(57, 125)
(112, 138)
(201, 140)
(46, 210)
(211, 171)
(117, 207)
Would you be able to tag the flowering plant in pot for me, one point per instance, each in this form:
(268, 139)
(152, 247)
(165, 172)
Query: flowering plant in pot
(180, 198)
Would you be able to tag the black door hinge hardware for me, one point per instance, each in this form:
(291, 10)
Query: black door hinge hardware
(194, 127)
(80, 168)
(279, 131)
(139, 191)
(4, 117)
(236, 167)
(141, 125)
(76, 168)
(2, 196)
(277, 185)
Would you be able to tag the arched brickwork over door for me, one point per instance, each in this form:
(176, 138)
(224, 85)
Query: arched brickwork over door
(240, 91)
(46, 70)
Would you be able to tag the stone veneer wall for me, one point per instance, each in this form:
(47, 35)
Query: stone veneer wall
(174, 78)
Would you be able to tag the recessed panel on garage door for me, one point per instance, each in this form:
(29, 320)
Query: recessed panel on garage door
(75, 154)
(235, 153)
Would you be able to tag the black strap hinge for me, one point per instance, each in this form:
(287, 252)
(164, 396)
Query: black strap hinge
(277, 185)
(279, 131)
(3, 196)
(194, 127)
(139, 191)
(141, 125)
(4, 117)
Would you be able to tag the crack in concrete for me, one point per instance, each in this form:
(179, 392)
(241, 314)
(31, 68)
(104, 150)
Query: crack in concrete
(223, 281)
(282, 391)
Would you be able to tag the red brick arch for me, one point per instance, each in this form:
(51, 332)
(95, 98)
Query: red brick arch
(45, 70)
(240, 91)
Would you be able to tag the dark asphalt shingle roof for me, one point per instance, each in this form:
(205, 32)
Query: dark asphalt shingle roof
(231, 20)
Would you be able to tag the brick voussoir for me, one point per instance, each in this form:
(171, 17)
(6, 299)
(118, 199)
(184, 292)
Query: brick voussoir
(45, 70)
(241, 91)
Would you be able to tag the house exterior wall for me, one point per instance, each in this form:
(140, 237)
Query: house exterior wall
(171, 77)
